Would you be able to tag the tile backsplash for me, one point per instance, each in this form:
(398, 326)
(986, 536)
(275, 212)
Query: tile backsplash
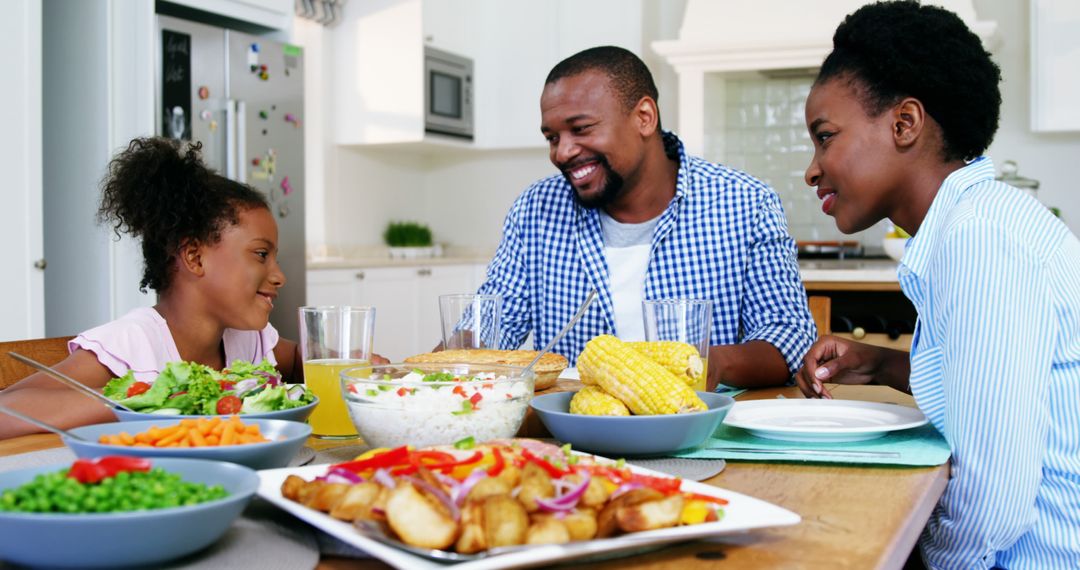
(757, 124)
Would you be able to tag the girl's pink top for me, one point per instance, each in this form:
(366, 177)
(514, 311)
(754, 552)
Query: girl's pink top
(140, 341)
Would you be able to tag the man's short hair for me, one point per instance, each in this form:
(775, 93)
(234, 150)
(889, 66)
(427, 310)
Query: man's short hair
(629, 76)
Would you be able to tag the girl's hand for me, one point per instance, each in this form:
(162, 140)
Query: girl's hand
(837, 360)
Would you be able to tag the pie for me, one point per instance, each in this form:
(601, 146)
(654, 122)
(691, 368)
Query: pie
(547, 370)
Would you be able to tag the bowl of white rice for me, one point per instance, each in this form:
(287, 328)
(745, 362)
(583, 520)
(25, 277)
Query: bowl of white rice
(436, 404)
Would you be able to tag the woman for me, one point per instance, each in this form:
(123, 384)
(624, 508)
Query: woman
(900, 114)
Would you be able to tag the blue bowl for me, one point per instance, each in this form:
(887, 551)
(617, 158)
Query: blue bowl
(286, 439)
(629, 436)
(125, 539)
(300, 414)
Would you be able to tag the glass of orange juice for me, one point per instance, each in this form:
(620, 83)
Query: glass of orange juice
(333, 338)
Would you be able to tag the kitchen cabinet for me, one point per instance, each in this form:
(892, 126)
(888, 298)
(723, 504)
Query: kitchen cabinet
(378, 63)
(1055, 85)
(405, 300)
(264, 14)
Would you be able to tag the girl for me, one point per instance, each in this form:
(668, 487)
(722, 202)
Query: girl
(210, 251)
(900, 113)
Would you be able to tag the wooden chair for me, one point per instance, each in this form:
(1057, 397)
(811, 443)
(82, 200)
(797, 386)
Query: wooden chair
(44, 350)
(821, 310)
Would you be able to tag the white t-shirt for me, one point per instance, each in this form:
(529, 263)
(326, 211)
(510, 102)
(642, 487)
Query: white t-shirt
(627, 248)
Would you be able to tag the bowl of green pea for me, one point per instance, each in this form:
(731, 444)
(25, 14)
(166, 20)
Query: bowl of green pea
(99, 513)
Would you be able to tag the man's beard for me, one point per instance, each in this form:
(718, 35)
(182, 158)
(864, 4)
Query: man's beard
(613, 186)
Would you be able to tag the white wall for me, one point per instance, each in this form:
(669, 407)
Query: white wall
(462, 195)
(1046, 157)
(22, 313)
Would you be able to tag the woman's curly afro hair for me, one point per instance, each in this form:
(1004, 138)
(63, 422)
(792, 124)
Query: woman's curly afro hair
(165, 195)
(892, 50)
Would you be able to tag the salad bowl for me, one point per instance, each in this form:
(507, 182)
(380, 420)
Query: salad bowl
(300, 414)
(286, 439)
(116, 539)
(191, 390)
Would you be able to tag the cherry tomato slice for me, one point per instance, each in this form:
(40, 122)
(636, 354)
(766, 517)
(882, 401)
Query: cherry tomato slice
(226, 385)
(137, 388)
(228, 405)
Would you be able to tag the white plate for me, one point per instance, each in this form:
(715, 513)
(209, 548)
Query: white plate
(569, 374)
(740, 514)
(821, 420)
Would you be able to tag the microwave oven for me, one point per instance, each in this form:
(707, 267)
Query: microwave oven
(448, 93)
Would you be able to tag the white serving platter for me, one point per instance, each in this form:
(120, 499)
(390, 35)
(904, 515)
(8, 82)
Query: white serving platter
(742, 513)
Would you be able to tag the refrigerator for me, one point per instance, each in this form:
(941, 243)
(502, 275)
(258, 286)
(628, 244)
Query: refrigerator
(242, 97)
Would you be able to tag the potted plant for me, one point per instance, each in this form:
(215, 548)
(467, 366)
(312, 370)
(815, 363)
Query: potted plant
(408, 239)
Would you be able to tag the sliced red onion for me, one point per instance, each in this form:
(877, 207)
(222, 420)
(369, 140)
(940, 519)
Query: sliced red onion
(345, 474)
(245, 385)
(295, 392)
(382, 477)
(624, 488)
(438, 493)
(271, 378)
(568, 500)
(467, 485)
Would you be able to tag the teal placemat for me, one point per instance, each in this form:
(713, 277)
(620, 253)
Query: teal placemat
(921, 446)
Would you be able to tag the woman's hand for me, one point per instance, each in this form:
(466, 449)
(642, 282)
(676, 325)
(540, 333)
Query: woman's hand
(840, 361)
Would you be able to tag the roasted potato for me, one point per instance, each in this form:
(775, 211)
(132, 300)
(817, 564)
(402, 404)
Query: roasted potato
(472, 538)
(328, 495)
(535, 484)
(308, 493)
(489, 486)
(357, 502)
(581, 524)
(290, 488)
(419, 520)
(606, 522)
(505, 521)
(547, 530)
(650, 515)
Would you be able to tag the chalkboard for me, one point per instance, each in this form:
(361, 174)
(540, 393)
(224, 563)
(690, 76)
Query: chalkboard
(176, 85)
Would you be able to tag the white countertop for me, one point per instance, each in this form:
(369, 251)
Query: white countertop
(836, 270)
(847, 270)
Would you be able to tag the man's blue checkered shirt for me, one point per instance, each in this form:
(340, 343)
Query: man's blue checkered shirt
(723, 237)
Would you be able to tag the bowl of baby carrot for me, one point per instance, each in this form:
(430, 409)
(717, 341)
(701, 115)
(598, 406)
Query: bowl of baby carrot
(255, 443)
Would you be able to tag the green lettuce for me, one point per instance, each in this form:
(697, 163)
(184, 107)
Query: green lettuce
(117, 388)
(270, 400)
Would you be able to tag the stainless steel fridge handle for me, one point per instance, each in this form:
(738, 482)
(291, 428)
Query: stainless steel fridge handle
(241, 142)
(230, 139)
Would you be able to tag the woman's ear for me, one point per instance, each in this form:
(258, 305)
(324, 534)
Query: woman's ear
(190, 258)
(909, 120)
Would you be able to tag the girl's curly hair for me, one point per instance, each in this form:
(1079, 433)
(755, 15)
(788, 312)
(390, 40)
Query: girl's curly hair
(892, 50)
(164, 194)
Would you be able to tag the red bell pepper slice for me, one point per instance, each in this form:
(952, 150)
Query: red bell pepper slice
(475, 399)
(386, 459)
(500, 463)
(544, 464)
(666, 485)
(706, 498)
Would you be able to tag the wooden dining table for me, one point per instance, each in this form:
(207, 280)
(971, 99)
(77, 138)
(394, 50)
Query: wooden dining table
(853, 516)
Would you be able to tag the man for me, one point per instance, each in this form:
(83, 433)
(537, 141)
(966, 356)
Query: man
(635, 218)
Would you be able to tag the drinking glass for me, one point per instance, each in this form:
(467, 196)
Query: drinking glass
(333, 338)
(682, 320)
(470, 321)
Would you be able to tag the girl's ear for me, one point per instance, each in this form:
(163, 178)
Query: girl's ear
(909, 120)
(190, 257)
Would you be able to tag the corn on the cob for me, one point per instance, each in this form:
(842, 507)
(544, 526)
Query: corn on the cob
(680, 358)
(643, 385)
(594, 401)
